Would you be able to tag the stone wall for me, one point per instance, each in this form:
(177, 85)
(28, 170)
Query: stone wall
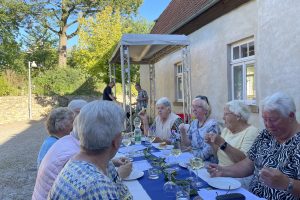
(16, 108)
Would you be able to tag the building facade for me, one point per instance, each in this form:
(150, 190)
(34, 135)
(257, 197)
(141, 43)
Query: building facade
(239, 50)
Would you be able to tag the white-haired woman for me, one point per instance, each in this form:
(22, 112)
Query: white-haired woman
(274, 156)
(90, 174)
(237, 136)
(59, 123)
(165, 121)
(193, 137)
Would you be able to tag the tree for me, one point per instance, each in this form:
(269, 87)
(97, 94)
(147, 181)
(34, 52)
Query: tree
(12, 14)
(41, 46)
(98, 38)
(60, 16)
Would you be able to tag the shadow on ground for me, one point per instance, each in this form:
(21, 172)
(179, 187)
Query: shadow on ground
(19, 146)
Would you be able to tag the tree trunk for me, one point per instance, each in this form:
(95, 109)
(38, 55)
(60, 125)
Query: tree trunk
(62, 48)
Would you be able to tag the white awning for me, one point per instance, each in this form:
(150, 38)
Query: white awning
(149, 48)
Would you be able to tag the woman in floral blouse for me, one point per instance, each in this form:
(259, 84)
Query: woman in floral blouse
(194, 137)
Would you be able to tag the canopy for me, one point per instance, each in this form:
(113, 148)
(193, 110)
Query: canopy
(149, 49)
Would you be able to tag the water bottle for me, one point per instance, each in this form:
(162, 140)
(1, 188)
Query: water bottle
(137, 131)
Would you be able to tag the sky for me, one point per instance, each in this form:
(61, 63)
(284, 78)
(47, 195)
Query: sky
(150, 9)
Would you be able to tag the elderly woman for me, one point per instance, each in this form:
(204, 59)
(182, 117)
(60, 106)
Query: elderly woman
(238, 136)
(90, 174)
(274, 156)
(61, 152)
(195, 135)
(58, 124)
(165, 121)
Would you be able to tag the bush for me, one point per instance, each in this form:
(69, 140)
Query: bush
(11, 84)
(59, 81)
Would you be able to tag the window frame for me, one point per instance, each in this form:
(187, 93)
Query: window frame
(177, 76)
(243, 62)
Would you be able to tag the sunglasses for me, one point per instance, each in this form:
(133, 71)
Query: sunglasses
(203, 98)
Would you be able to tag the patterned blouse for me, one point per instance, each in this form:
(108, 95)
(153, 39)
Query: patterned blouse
(197, 134)
(83, 180)
(285, 157)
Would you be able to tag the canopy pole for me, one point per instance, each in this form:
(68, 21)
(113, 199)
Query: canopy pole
(114, 75)
(187, 97)
(129, 84)
(123, 80)
(152, 90)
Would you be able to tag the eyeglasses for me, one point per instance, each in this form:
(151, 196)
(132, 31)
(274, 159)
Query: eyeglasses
(203, 98)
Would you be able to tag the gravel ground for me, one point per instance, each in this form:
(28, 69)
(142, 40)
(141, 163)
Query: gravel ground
(19, 146)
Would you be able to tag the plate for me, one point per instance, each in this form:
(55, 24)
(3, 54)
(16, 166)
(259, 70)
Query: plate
(224, 183)
(156, 145)
(135, 174)
(184, 165)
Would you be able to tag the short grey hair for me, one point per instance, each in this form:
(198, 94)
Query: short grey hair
(76, 105)
(58, 119)
(164, 101)
(204, 104)
(239, 108)
(279, 102)
(98, 123)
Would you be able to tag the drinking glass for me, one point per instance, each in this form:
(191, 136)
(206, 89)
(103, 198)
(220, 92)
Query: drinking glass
(170, 187)
(183, 191)
(126, 140)
(176, 151)
(153, 173)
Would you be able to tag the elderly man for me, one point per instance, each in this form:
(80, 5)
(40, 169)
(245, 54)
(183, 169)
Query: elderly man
(90, 174)
(60, 153)
(274, 156)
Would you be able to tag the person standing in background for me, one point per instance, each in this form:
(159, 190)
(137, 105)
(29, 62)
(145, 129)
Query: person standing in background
(142, 98)
(107, 93)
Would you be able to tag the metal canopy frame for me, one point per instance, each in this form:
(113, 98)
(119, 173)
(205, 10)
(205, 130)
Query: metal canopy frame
(149, 49)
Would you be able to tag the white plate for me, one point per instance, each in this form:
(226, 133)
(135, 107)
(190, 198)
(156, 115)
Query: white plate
(135, 174)
(224, 183)
(156, 145)
(184, 165)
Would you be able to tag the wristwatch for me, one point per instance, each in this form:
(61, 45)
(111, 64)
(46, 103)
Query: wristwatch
(223, 146)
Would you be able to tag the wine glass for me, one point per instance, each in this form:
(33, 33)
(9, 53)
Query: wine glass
(176, 151)
(151, 136)
(126, 140)
(196, 163)
(170, 187)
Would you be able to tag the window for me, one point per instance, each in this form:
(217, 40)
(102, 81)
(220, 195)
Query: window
(243, 71)
(178, 81)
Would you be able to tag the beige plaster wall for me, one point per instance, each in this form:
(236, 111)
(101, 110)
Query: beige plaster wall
(278, 48)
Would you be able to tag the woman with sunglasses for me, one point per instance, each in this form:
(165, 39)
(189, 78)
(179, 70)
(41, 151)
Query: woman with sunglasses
(193, 138)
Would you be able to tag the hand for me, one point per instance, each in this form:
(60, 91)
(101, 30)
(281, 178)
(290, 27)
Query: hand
(120, 161)
(182, 128)
(214, 139)
(214, 170)
(125, 170)
(143, 114)
(274, 178)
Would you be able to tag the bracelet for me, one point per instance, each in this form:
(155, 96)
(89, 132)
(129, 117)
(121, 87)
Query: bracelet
(290, 186)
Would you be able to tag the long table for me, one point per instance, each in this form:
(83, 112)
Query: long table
(145, 188)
